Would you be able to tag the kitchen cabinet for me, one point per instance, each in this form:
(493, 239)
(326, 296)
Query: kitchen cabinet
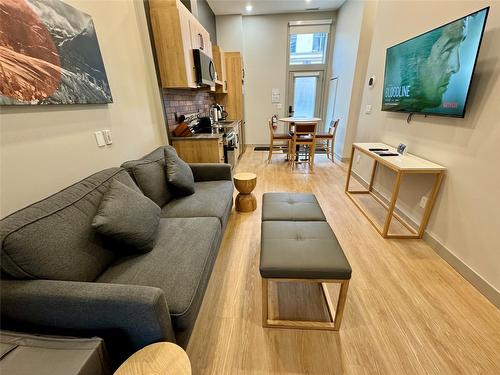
(199, 149)
(233, 99)
(175, 33)
(220, 68)
(200, 38)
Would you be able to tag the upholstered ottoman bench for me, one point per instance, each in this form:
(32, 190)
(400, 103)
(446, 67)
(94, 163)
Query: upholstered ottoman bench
(291, 207)
(301, 250)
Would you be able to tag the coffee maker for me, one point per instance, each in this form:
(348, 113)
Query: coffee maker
(223, 115)
(217, 112)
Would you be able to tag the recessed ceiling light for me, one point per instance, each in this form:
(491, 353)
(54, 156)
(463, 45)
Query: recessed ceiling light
(308, 1)
(249, 8)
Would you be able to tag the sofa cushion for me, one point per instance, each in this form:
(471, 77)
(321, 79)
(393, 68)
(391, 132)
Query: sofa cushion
(128, 217)
(54, 239)
(149, 174)
(180, 264)
(212, 198)
(179, 174)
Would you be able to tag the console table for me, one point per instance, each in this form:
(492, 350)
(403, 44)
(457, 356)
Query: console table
(401, 164)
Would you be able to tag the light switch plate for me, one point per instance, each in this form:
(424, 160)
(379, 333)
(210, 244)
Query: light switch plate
(99, 138)
(368, 109)
(107, 136)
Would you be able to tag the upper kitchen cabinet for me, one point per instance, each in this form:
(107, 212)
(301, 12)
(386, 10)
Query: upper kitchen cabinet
(220, 68)
(176, 32)
(200, 38)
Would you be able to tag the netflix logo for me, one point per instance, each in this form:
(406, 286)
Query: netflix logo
(450, 105)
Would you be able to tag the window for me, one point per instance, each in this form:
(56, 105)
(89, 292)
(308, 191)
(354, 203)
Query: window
(304, 99)
(308, 48)
(308, 61)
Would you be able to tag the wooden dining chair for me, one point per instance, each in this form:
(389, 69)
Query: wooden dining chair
(303, 135)
(280, 137)
(329, 137)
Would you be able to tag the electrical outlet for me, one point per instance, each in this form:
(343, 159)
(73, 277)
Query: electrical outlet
(358, 158)
(423, 202)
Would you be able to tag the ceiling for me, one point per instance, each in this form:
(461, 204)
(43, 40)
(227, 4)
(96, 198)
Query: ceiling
(221, 7)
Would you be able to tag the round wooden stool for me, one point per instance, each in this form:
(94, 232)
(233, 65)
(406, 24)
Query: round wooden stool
(245, 183)
(163, 358)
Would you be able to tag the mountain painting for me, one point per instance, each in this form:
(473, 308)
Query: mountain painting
(49, 54)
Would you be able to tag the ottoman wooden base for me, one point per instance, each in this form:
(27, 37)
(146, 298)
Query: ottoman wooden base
(335, 314)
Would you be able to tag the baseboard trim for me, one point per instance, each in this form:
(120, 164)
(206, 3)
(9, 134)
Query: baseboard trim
(341, 158)
(485, 288)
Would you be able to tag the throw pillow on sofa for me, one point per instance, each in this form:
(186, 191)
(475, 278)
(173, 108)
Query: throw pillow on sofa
(128, 218)
(179, 174)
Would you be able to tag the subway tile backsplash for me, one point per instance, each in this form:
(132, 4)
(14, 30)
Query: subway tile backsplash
(180, 101)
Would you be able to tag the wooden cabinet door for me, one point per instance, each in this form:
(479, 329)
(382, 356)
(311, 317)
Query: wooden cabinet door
(200, 38)
(172, 39)
(234, 98)
(220, 68)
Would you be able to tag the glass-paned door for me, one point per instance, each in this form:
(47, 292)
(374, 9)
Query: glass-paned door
(305, 94)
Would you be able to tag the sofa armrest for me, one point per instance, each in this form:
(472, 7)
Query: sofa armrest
(134, 316)
(211, 171)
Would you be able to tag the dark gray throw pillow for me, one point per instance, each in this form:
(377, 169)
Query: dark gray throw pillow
(128, 218)
(179, 174)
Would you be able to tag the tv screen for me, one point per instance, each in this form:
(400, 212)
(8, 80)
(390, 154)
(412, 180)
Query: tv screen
(431, 73)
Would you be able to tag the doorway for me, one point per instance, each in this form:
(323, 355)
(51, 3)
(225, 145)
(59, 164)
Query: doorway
(305, 94)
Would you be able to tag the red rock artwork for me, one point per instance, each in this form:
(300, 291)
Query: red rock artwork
(49, 54)
(30, 66)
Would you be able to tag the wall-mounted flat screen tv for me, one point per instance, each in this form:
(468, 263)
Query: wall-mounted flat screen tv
(431, 73)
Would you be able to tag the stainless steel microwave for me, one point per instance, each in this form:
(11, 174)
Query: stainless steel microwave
(204, 68)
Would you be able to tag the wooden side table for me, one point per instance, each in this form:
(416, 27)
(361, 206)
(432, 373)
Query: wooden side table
(163, 358)
(245, 183)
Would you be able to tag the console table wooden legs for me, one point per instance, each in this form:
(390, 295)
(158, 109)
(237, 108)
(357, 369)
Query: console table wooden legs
(401, 169)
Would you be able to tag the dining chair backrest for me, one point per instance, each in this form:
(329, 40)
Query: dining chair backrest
(333, 127)
(304, 128)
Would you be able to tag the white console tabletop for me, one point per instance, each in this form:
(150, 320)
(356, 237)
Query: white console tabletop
(407, 162)
(401, 164)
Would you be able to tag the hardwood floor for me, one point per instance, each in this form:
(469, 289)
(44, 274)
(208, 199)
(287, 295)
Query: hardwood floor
(407, 310)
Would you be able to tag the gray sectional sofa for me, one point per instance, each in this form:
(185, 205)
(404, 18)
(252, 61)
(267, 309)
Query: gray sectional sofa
(60, 276)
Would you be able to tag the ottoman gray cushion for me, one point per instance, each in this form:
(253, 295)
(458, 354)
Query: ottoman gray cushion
(52, 355)
(301, 250)
(291, 207)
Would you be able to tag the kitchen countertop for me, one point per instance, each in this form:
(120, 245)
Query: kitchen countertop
(201, 137)
(218, 132)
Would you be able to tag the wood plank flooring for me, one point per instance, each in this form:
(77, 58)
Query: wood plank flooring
(407, 310)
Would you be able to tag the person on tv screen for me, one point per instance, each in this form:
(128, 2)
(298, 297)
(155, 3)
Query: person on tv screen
(426, 65)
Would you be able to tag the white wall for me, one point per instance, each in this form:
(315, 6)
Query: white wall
(265, 42)
(230, 32)
(44, 149)
(465, 220)
(351, 51)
